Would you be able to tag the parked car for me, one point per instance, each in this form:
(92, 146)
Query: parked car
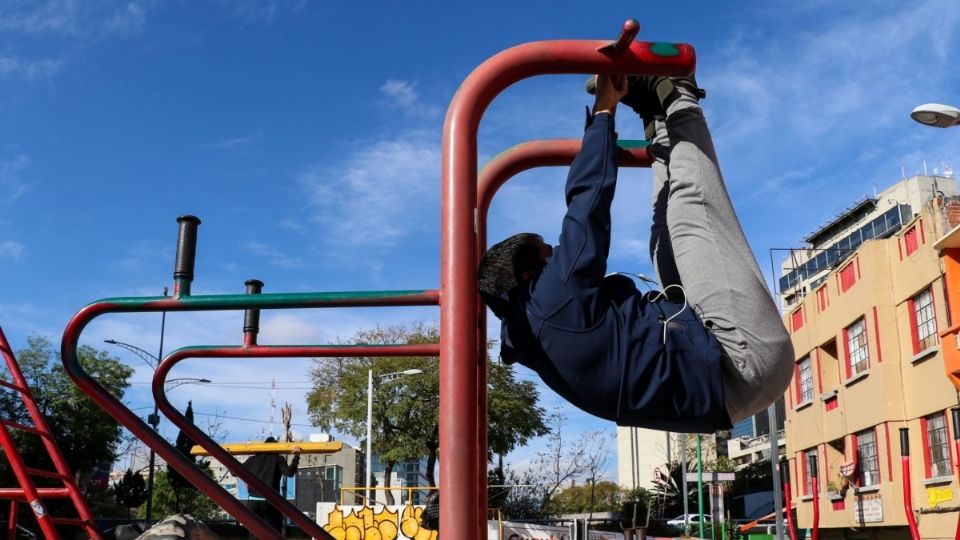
(689, 519)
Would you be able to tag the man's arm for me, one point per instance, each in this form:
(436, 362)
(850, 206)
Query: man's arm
(290, 469)
(585, 236)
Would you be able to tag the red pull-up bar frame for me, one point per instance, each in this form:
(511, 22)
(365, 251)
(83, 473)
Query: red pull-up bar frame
(462, 369)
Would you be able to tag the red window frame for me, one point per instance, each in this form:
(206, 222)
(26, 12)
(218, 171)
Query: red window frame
(910, 243)
(847, 277)
(796, 319)
(823, 299)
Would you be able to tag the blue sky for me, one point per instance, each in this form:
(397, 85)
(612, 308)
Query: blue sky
(305, 135)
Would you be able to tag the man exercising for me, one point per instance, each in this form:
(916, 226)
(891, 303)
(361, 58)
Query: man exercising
(707, 351)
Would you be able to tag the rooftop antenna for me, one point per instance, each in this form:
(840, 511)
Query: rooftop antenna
(903, 172)
(925, 168)
(947, 170)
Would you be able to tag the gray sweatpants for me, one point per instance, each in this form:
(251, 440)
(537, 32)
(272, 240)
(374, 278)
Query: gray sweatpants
(696, 241)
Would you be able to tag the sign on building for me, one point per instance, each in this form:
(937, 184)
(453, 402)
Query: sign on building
(868, 508)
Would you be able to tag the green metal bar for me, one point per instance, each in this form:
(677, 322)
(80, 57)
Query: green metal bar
(272, 301)
(700, 480)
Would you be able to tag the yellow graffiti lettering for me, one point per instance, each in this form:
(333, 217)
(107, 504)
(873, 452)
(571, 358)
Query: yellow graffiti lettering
(936, 496)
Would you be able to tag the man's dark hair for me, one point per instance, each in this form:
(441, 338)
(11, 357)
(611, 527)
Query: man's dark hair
(270, 439)
(503, 265)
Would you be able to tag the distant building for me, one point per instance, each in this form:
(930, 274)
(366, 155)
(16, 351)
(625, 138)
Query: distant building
(867, 304)
(641, 452)
(319, 478)
(749, 440)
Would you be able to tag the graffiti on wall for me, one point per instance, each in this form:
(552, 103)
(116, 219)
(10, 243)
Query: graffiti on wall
(379, 523)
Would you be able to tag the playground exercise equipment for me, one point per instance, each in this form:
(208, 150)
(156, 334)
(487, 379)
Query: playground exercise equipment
(241, 449)
(28, 492)
(462, 342)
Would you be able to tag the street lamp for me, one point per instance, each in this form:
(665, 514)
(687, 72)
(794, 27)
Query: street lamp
(382, 379)
(936, 115)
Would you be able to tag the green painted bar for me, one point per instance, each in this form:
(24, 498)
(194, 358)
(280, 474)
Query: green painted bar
(628, 144)
(263, 301)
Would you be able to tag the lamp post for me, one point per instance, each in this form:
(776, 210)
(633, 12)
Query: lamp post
(936, 115)
(383, 379)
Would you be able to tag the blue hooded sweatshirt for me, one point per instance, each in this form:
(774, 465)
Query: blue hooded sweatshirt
(598, 341)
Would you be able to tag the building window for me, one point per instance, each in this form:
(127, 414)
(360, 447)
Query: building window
(937, 449)
(808, 456)
(797, 319)
(858, 359)
(804, 381)
(923, 321)
(848, 276)
(910, 240)
(823, 302)
(868, 465)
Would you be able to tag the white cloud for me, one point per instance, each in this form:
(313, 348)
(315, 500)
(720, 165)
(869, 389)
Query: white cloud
(12, 67)
(74, 18)
(274, 256)
(11, 177)
(379, 195)
(234, 142)
(403, 95)
(10, 249)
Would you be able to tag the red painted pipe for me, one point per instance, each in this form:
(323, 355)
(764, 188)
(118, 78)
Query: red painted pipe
(907, 494)
(463, 509)
(12, 521)
(56, 456)
(230, 462)
(136, 426)
(955, 413)
(816, 508)
(785, 480)
(507, 164)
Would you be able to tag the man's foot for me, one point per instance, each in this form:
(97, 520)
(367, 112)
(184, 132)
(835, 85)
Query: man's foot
(651, 95)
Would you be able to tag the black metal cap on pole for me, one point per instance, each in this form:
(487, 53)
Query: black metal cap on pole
(186, 254)
(812, 465)
(955, 412)
(251, 317)
(904, 442)
(784, 471)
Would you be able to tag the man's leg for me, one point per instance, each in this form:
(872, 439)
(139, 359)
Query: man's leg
(715, 264)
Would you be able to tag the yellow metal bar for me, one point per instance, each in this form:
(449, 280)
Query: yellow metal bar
(274, 448)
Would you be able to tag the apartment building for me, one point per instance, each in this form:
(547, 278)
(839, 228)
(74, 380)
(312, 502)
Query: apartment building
(866, 305)
(642, 452)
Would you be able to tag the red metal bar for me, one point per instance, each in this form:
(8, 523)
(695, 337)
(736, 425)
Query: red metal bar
(495, 173)
(49, 444)
(463, 510)
(224, 457)
(907, 494)
(630, 29)
(22, 427)
(816, 500)
(12, 521)
(44, 474)
(17, 494)
(785, 480)
(30, 492)
(136, 426)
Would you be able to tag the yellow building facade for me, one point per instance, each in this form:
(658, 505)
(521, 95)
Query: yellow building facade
(869, 361)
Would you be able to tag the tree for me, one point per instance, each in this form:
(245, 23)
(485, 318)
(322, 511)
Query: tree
(167, 500)
(87, 436)
(130, 491)
(596, 457)
(184, 492)
(406, 411)
(603, 496)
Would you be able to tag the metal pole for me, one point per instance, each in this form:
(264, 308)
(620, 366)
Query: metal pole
(369, 433)
(774, 461)
(686, 494)
(155, 422)
(699, 481)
